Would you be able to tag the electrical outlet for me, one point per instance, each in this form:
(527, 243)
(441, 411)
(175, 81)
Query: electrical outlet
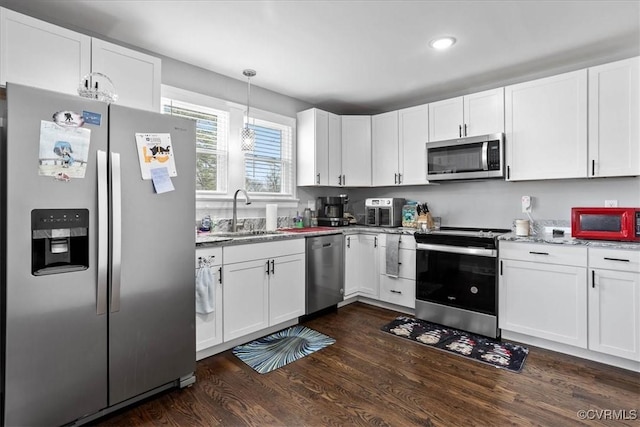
(526, 204)
(610, 203)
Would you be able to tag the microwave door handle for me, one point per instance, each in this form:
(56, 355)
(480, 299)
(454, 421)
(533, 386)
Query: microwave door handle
(485, 156)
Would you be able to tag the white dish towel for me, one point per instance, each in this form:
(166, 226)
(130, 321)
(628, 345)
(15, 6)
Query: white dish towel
(392, 252)
(205, 290)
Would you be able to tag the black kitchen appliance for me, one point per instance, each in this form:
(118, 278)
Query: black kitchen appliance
(331, 211)
(456, 278)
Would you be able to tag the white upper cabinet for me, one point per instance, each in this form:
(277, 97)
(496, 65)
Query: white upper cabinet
(546, 128)
(40, 54)
(470, 115)
(414, 133)
(614, 119)
(135, 75)
(336, 174)
(36, 53)
(384, 149)
(313, 147)
(319, 148)
(356, 151)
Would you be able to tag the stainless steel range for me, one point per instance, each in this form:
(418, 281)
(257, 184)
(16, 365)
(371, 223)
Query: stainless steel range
(456, 278)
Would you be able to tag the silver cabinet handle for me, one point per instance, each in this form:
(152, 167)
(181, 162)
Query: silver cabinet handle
(399, 178)
(395, 292)
(617, 259)
(465, 129)
(318, 178)
(103, 232)
(348, 241)
(344, 180)
(538, 253)
(339, 179)
(460, 131)
(116, 230)
(220, 275)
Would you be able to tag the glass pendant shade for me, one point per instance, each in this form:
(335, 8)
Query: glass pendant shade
(247, 135)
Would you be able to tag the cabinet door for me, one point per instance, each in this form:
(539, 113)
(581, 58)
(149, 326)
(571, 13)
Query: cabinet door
(546, 128)
(446, 119)
(351, 265)
(614, 313)
(286, 288)
(614, 119)
(544, 300)
(413, 129)
(384, 149)
(209, 326)
(335, 151)
(313, 147)
(245, 298)
(484, 113)
(36, 53)
(369, 265)
(135, 75)
(356, 151)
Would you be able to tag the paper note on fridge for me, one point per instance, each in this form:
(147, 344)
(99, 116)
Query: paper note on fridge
(161, 180)
(155, 151)
(63, 150)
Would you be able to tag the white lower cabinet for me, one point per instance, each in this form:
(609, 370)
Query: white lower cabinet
(361, 265)
(262, 291)
(543, 300)
(399, 289)
(209, 326)
(586, 297)
(614, 302)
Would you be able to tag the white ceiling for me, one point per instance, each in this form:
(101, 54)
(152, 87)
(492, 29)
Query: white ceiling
(363, 56)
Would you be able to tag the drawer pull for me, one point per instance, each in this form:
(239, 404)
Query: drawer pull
(539, 253)
(395, 292)
(617, 259)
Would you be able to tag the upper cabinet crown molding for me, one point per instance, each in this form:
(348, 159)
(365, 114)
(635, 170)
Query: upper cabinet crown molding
(39, 54)
(475, 114)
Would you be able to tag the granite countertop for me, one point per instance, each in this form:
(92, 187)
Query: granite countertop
(226, 239)
(550, 239)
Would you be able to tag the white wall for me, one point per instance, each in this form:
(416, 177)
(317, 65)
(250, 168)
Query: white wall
(496, 203)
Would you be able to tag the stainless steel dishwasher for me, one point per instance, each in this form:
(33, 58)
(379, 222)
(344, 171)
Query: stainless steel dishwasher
(324, 271)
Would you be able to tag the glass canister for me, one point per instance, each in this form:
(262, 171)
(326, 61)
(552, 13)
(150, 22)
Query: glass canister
(409, 214)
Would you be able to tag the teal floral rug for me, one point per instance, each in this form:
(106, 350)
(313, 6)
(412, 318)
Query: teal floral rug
(281, 348)
(483, 349)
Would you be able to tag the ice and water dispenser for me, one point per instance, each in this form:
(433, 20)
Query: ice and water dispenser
(59, 241)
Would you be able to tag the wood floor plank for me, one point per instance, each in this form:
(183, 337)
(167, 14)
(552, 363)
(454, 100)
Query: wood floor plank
(372, 378)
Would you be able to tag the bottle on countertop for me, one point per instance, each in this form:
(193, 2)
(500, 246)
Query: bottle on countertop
(306, 218)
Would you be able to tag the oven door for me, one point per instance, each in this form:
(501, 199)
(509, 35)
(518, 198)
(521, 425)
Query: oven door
(385, 217)
(371, 216)
(458, 277)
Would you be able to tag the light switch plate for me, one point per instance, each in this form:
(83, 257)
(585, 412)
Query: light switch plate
(610, 203)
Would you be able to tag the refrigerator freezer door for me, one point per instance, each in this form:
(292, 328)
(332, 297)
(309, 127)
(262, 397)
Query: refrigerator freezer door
(55, 361)
(152, 320)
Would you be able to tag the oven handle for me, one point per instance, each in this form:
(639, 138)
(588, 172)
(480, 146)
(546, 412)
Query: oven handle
(458, 250)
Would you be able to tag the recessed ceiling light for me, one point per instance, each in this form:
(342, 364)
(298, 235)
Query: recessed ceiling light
(442, 43)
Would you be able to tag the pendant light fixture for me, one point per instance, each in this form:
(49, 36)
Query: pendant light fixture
(248, 136)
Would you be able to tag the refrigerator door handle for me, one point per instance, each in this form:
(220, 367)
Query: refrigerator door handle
(116, 229)
(103, 233)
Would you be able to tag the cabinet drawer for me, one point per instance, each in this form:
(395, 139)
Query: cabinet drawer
(614, 259)
(398, 291)
(262, 250)
(546, 253)
(407, 241)
(213, 255)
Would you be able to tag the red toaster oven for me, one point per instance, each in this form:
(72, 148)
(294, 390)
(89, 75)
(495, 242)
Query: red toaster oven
(606, 223)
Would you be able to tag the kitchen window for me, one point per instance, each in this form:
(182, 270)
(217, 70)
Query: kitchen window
(268, 169)
(211, 143)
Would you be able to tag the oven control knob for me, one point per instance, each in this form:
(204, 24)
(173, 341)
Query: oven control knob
(474, 290)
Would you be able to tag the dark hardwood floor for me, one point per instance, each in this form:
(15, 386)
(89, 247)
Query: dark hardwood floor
(369, 377)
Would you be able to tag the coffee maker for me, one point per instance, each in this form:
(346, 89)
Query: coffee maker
(331, 211)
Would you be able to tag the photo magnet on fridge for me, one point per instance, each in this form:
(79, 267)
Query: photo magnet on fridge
(63, 151)
(154, 150)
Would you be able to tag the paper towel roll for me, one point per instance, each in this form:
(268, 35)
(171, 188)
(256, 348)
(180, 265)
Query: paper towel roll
(272, 217)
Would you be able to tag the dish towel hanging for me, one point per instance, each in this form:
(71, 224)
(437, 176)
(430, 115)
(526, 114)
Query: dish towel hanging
(205, 290)
(393, 249)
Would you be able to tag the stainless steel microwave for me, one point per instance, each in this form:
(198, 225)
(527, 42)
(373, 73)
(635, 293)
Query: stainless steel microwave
(474, 157)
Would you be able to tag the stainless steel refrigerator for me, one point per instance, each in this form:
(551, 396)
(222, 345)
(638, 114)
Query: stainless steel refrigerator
(97, 269)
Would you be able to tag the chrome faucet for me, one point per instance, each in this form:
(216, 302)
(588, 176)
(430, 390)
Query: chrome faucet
(234, 220)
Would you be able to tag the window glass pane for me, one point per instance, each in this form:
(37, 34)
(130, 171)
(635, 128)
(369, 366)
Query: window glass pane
(267, 168)
(210, 142)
